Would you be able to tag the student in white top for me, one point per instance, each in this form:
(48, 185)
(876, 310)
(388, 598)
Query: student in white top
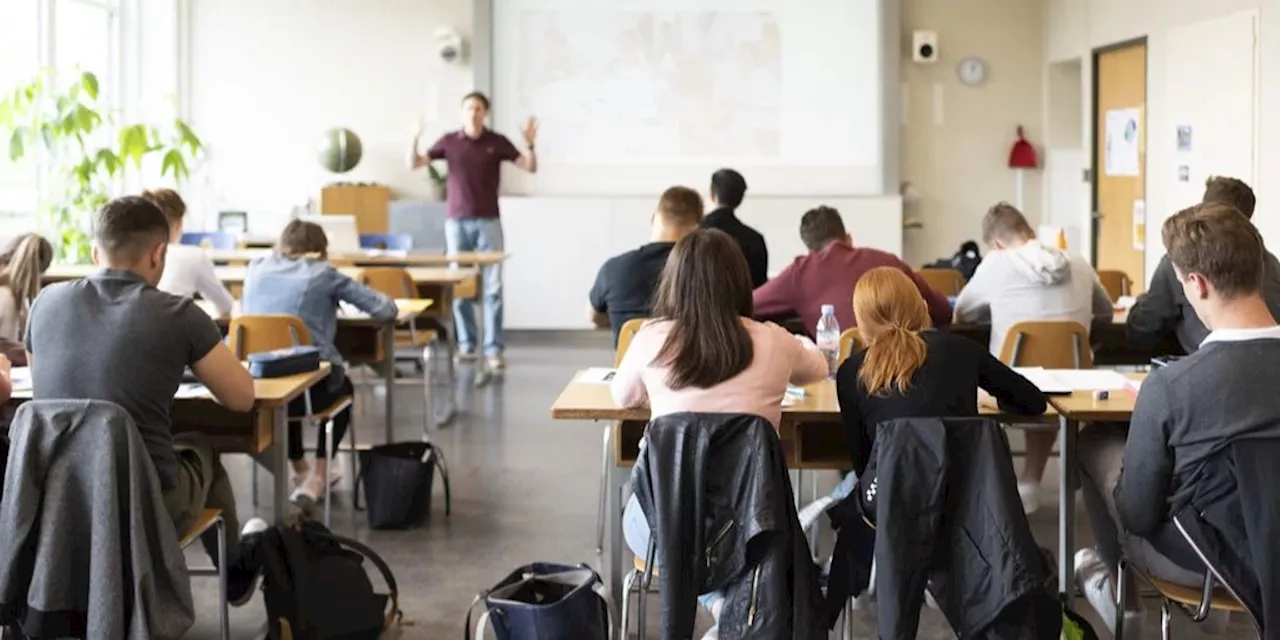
(22, 262)
(1020, 280)
(188, 270)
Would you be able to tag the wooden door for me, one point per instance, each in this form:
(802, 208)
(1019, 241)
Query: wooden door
(1120, 159)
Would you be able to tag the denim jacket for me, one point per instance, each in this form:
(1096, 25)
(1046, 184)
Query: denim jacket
(311, 290)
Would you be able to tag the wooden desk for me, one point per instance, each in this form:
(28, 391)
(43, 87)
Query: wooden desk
(1109, 339)
(376, 258)
(262, 432)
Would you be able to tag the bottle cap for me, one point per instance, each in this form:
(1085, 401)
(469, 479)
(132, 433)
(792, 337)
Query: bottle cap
(828, 308)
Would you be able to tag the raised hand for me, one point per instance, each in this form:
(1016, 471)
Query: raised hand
(530, 130)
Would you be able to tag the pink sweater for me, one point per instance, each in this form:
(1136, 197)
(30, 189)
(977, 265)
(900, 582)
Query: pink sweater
(779, 358)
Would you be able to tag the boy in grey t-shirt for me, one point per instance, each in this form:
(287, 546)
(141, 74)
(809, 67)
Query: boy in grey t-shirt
(113, 336)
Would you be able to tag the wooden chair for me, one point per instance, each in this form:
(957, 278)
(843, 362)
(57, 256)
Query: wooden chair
(212, 519)
(850, 341)
(1117, 283)
(625, 334)
(1062, 344)
(639, 580)
(396, 283)
(948, 282)
(1194, 603)
(258, 333)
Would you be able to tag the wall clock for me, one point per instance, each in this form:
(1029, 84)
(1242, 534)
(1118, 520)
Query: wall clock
(972, 71)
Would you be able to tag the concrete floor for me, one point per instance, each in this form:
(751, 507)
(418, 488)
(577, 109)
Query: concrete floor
(524, 489)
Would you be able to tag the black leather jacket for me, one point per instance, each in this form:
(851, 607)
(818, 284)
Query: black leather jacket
(716, 493)
(943, 497)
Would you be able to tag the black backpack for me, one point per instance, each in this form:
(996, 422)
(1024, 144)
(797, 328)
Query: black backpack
(966, 260)
(316, 588)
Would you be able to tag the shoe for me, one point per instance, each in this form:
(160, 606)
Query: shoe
(1030, 494)
(465, 355)
(1095, 581)
(714, 632)
(812, 511)
(1217, 622)
(242, 579)
(308, 493)
(497, 363)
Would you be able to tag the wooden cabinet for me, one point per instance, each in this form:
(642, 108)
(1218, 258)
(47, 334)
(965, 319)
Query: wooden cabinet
(369, 203)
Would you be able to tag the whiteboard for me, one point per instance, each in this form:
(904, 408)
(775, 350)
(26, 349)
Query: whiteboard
(633, 96)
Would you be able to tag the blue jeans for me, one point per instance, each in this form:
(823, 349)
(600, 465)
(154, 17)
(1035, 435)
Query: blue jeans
(478, 234)
(635, 530)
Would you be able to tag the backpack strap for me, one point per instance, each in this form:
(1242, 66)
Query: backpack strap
(394, 615)
(444, 475)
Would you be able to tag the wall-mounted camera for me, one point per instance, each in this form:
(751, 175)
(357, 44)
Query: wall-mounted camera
(450, 46)
(924, 46)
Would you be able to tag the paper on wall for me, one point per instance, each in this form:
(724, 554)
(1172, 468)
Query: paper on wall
(1122, 157)
(1139, 225)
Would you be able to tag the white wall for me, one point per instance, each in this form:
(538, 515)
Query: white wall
(1076, 27)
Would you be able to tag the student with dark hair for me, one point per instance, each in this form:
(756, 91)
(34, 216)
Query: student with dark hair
(298, 280)
(187, 269)
(728, 187)
(1164, 308)
(828, 274)
(474, 155)
(142, 340)
(625, 284)
(703, 353)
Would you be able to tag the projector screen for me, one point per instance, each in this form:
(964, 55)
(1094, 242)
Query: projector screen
(633, 96)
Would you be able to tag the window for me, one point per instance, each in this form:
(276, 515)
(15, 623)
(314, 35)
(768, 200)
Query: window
(84, 33)
(19, 61)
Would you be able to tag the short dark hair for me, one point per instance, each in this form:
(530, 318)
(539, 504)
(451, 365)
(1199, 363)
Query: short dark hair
(681, 206)
(820, 227)
(1232, 191)
(728, 186)
(705, 291)
(1003, 221)
(477, 95)
(303, 239)
(1214, 240)
(129, 227)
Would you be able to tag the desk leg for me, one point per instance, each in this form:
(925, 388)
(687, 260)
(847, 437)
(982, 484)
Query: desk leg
(447, 398)
(280, 475)
(1068, 429)
(482, 360)
(389, 373)
(617, 479)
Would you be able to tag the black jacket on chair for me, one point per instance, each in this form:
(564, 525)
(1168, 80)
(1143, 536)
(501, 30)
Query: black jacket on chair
(716, 493)
(944, 500)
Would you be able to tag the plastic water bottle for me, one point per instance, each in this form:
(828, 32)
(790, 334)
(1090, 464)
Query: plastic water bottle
(828, 334)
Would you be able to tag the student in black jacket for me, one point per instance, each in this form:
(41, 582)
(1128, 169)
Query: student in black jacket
(911, 371)
(727, 190)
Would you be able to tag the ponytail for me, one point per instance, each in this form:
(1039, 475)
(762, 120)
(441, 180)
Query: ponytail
(892, 358)
(23, 265)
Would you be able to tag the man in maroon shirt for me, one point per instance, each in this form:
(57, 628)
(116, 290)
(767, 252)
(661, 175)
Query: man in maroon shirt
(474, 155)
(828, 274)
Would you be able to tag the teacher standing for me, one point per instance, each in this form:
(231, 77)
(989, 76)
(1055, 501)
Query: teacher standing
(474, 156)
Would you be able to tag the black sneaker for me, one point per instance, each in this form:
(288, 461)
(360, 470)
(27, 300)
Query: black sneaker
(242, 577)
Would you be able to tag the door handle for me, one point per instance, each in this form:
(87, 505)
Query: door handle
(1098, 215)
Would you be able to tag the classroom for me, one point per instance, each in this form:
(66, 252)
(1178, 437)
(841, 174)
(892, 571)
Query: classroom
(604, 319)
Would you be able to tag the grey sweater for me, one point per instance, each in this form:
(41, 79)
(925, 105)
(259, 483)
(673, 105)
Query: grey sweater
(1189, 411)
(1164, 308)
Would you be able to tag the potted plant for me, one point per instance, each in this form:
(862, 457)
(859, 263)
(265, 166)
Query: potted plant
(85, 151)
(438, 180)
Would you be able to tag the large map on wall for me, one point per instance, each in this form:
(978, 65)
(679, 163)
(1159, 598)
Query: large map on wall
(634, 86)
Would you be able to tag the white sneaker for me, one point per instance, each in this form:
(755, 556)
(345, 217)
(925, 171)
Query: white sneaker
(812, 511)
(254, 525)
(1095, 581)
(308, 493)
(1030, 494)
(497, 363)
(465, 356)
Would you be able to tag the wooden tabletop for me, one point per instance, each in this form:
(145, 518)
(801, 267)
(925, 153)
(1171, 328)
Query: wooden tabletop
(407, 310)
(1081, 405)
(270, 392)
(235, 275)
(411, 258)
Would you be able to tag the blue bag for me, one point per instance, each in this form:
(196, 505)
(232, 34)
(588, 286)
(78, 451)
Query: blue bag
(545, 601)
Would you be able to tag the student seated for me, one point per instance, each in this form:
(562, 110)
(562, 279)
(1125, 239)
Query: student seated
(727, 190)
(113, 336)
(1021, 279)
(625, 285)
(828, 274)
(188, 269)
(1186, 414)
(1164, 309)
(298, 280)
(703, 353)
(910, 371)
(22, 263)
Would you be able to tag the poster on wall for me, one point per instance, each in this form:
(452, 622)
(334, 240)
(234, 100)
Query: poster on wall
(1184, 138)
(1122, 152)
(1139, 225)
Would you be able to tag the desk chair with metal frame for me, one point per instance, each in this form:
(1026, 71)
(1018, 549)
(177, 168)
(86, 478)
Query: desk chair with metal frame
(396, 283)
(625, 334)
(218, 240)
(1056, 344)
(386, 241)
(259, 333)
(948, 282)
(1116, 283)
(212, 519)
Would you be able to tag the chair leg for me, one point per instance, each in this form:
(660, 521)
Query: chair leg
(604, 492)
(223, 605)
(328, 486)
(254, 474)
(846, 630)
(355, 468)
(1166, 619)
(624, 622)
(428, 404)
(1122, 569)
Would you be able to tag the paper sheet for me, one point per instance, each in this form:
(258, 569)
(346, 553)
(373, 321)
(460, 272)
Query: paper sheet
(597, 375)
(191, 390)
(20, 378)
(1122, 157)
(1062, 381)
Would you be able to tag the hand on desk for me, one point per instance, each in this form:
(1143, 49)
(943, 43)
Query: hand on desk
(987, 401)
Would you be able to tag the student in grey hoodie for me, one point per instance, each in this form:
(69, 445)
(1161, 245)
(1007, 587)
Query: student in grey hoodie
(1022, 279)
(1164, 309)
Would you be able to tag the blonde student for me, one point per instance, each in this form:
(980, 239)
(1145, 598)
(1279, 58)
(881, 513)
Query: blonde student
(22, 262)
(188, 270)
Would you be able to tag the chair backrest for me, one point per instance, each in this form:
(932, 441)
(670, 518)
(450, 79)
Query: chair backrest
(210, 240)
(255, 334)
(1058, 344)
(1117, 283)
(948, 282)
(850, 341)
(393, 282)
(387, 241)
(628, 331)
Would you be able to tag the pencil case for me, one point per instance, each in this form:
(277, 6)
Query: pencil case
(284, 362)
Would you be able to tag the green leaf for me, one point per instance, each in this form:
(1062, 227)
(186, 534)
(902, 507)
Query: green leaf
(188, 137)
(90, 84)
(87, 119)
(46, 134)
(109, 161)
(17, 146)
(172, 161)
(133, 143)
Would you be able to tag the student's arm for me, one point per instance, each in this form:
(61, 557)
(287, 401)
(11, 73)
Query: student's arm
(1156, 312)
(6, 383)
(210, 288)
(857, 440)
(808, 364)
(760, 267)
(777, 296)
(939, 307)
(627, 386)
(213, 363)
(973, 305)
(363, 298)
(1013, 392)
(1143, 489)
(598, 299)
